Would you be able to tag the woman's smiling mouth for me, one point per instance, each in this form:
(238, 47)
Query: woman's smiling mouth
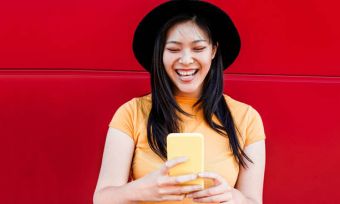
(183, 72)
(186, 75)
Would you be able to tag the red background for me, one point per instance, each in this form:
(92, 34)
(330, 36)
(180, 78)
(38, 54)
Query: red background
(65, 66)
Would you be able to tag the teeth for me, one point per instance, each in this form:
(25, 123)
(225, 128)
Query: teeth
(186, 73)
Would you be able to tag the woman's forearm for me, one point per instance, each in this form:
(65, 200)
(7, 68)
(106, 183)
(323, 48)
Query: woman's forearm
(115, 195)
(241, 199)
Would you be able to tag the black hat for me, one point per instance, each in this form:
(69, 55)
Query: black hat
(218, 21)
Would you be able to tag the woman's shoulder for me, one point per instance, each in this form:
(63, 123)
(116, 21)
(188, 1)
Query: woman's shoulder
(247, 119)
(135, 101)
(144, 99)
(137, 104)
(239, 108)
(235, 104)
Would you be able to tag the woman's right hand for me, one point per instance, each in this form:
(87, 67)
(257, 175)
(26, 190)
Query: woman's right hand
(159, 186)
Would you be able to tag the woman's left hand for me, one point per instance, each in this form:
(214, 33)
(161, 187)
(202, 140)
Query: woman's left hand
(221, 192)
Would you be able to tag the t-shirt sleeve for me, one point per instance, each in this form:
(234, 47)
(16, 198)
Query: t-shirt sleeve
(255, 130)
(123, 119)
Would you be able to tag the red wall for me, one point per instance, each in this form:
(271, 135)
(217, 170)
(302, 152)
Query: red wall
(65, 66)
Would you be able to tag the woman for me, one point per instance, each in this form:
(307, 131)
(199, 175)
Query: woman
(185, 45)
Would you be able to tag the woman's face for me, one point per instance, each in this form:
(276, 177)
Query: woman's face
(187, 57)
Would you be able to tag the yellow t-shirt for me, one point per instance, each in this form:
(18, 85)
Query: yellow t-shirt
(131, 118)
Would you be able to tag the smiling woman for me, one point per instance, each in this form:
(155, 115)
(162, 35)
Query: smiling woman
(185, 45)
(187, 58)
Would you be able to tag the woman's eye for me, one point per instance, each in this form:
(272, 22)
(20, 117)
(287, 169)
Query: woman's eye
(199, 48)
(173, 49)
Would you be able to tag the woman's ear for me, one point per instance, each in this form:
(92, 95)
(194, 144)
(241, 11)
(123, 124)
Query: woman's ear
(214, 50)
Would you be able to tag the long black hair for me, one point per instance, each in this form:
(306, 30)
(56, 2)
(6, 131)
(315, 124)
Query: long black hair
(163, 118)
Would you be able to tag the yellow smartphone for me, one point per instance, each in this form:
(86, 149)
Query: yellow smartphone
(190, 145)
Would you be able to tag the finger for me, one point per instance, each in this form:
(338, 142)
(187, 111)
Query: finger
(210, 175)
(179, 190)
(173, 180)
(216, 190)
(215, 199)
(173, 162)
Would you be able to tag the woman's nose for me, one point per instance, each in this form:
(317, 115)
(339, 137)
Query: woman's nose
(186, 58)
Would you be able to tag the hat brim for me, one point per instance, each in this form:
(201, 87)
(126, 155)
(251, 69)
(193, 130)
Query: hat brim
(219, 22)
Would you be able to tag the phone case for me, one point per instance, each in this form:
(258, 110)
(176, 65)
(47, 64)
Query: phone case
(190, 145)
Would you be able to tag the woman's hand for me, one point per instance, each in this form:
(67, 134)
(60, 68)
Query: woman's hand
(221, 192)
(159, 186)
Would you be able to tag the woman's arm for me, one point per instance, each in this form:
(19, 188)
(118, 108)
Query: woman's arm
(112, 186)
(250, 180)
(115, 169)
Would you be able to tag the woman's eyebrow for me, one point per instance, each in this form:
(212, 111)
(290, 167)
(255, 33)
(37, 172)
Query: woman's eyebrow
(193, 42)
